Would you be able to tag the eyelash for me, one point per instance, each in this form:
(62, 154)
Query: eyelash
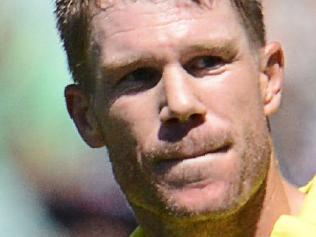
(140, 79)
(196, 70)
(143, 78)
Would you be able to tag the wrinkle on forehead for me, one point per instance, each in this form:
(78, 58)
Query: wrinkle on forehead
(114, 12)
(106, 4)
(157, 26)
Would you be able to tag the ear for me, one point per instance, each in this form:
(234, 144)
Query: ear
(81, 111)
(272, 77)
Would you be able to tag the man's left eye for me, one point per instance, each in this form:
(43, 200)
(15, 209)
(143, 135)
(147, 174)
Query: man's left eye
(205, 65)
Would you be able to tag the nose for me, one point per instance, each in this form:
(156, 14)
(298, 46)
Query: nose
(181, 98)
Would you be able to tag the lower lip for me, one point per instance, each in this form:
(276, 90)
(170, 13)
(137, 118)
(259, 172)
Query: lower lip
(194, 172)
(199, 184)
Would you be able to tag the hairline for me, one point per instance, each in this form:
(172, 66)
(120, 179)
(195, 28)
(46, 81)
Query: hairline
(255, 40)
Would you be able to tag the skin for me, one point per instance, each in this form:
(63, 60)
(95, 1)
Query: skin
(180, 99)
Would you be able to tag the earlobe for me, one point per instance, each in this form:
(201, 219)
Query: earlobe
(81, 111)
(272, 77)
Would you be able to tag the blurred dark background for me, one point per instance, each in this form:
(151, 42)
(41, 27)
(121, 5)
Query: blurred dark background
(52, 184)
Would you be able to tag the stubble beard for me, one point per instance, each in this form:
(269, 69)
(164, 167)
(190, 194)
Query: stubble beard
(254, 167)
(146, 194)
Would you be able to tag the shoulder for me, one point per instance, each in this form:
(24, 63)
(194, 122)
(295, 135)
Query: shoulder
(308, 212)
(311, 185)
(137, 233)
(305, 223)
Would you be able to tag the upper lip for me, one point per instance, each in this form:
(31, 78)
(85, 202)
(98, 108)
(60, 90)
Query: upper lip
(182, 154)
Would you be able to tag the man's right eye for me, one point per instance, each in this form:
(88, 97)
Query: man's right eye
(139, 80)
(205, 65)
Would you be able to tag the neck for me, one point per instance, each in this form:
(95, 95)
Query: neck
(255, 219)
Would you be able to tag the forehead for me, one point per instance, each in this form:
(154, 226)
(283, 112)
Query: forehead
(145, 25)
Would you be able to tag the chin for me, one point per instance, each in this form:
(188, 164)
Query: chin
(212, 198)
(202, 200)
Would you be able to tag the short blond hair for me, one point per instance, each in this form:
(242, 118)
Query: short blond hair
(73, 26)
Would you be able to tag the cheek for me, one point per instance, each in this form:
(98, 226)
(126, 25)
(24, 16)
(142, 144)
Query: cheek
(128, 171)
(122, 131)
(236, 96)
(132, 124)
(136, 113)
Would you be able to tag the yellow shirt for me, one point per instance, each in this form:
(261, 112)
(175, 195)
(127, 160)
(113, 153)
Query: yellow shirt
(303, 225)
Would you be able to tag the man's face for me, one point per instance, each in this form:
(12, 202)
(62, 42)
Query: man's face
(179, 103)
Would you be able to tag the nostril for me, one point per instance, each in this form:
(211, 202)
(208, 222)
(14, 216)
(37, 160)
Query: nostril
(196, 116)
(193, 119)
(173, 130)
(173, 121)
(196, 119)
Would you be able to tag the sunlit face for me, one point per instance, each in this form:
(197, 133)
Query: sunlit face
(179, 104)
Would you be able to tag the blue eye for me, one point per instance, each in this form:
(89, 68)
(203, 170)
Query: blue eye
(208, 63)
(204, 65)
(139, 80)
(142, 75)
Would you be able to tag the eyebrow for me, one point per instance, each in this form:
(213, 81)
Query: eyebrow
(227, 48)
(224, 48)
(129, 61)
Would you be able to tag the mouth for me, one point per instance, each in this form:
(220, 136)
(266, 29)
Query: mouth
(193, 170)
(222, 149)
